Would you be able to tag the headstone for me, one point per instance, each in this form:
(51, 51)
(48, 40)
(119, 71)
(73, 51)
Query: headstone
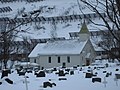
(67, 70)
(71, 72)
(96, 79)
(110, 73)
(106, 65)
(95, 67)
(117, 76)
(54, 69)
(21, 73)
(41, 74)
(78, 65)
(0, 83)
(47, 84)
(5, 72)
(9, 81)
(117, 70)
(89, 67)
(61, 73)
(88, 75)
(89, 70)
(75, 67)
(96, 73)
(81, 69)
(104, 71)
(107, 74)
(29, 70)
(54, 84)
(62, 79)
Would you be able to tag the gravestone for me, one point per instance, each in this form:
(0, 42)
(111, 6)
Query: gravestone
(67, 70)
(48, 84)
(0, 83)
(81, 69)
(88, 75)
(62, 79)
(104, 71)
(71, 72)
(54, 69)
(117, 76)
(107, 74)
(106, 65)
(5, 72)
(117, 70)
(96, 79)
(61, 73)
(41, 74)
(21, 73)
(75, 67)
(9, 81)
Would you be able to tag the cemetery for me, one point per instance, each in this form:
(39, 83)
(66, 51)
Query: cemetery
(58, 77)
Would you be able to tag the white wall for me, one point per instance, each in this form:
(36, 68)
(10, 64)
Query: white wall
(89, 49)
(43, 61)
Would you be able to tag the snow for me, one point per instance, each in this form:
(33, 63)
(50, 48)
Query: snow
(44, 31)
(26, 64)
(73, 82)
(62, 5)
(62, 29)
(59, 47)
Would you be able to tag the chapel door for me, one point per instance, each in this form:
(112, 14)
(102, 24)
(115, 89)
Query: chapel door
(87, 62)
(63, 64)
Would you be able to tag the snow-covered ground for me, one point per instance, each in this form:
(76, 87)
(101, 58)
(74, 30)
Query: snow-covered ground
(73, 82)
(62, 29)
(50, 8)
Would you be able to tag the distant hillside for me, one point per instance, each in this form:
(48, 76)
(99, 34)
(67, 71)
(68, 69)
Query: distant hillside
(48, 8)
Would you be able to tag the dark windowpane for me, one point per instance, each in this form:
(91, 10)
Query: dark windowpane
(34, 60)
(68, 59)
(49, 60)
(58, 59)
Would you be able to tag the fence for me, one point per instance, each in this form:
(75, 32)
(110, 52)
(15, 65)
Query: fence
(56, 19)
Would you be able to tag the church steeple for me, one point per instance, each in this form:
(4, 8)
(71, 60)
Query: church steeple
(84, 29)
(84, 32)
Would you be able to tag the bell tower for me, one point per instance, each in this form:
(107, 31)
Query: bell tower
(84, 33)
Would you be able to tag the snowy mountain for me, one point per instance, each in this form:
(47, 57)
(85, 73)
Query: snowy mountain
(44, 29)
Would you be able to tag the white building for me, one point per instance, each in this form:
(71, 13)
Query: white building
(66, 53)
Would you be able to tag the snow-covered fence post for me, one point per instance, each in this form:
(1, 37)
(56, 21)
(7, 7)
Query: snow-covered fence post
(105, 82)
(116, 80)
(26, 83)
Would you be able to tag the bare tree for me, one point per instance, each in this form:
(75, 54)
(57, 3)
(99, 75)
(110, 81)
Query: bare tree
(8, 33)
(5, 39)
(118, 5)
(53, 31)
(111, 21)
(27, 46)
